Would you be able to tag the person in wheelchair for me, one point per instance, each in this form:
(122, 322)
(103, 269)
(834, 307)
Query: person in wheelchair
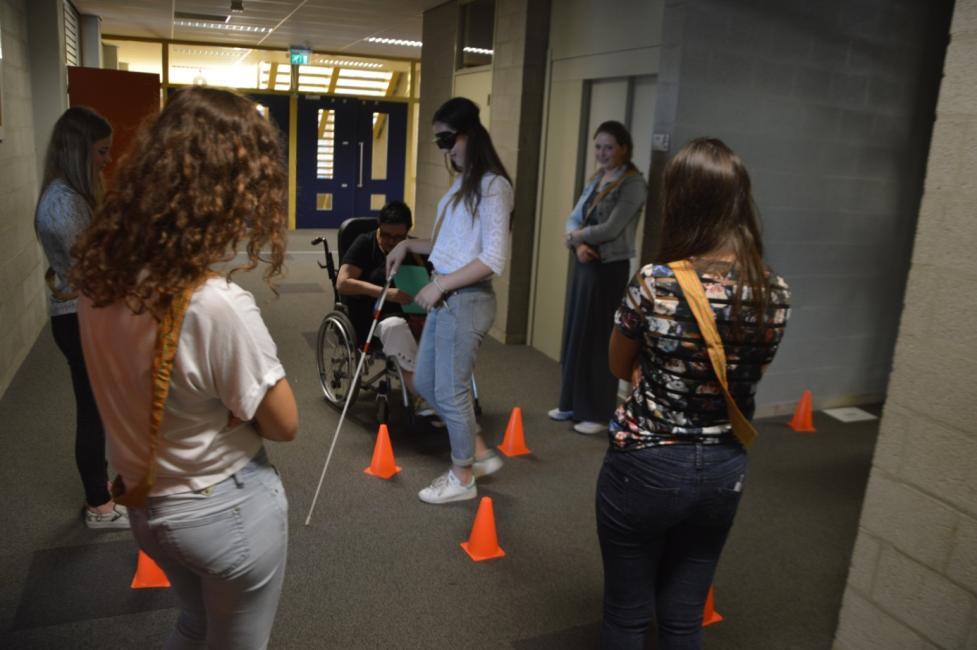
(360, 280)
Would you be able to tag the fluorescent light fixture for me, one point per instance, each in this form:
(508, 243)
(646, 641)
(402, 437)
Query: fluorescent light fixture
(477, 50)
(195, 24)
(350, 64)
(394, 41)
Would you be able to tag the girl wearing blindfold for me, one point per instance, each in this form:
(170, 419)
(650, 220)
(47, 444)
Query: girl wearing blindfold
(467, 247)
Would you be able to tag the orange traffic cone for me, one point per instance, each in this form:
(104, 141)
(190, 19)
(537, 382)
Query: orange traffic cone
(148, 574)
(709, 614)
(482, 544)
(802, 420)
(514, 442)
(383, 464)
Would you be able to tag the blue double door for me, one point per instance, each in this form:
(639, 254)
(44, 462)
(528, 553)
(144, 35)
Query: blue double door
(350, 158)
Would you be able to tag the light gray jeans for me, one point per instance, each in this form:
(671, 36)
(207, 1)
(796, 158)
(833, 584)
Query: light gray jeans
(446, 358)
(223, 549)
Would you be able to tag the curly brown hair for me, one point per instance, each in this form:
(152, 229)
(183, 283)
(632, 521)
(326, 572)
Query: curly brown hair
(203, 175)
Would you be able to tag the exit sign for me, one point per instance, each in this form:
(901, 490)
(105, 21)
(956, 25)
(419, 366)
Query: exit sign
(299, 55)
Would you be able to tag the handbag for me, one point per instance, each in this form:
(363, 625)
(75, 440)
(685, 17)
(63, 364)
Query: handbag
(164, 353)
(704, 316)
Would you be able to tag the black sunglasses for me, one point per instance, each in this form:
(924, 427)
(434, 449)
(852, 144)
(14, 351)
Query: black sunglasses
(446, 139)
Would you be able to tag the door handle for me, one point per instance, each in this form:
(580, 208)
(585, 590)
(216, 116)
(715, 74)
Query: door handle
(361, 166)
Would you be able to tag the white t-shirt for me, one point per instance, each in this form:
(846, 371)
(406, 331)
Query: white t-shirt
(463, 239)
(225, 363)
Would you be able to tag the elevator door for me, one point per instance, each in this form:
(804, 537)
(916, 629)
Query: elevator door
(351, 156)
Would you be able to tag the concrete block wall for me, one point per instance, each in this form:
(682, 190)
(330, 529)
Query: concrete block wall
(830, 104)
(23, 301)
(518, 86)
(439, 31)
(913, 576)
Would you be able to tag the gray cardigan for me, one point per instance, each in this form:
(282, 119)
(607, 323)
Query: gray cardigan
(62, 214)
(614, 220)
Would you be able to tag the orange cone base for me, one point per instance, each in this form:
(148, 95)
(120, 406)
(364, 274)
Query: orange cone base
(522, 450)
(386, 474)
(148, 574)
(478, 557)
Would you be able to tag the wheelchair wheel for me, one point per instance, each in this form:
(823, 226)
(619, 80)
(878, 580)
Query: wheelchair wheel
(336, 358)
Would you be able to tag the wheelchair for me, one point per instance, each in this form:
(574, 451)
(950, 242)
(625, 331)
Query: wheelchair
(338, 352)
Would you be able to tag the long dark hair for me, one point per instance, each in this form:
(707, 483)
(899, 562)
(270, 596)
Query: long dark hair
(203, 177)
(622, 136)
(461, 114)
(709, 207)
(69, 153)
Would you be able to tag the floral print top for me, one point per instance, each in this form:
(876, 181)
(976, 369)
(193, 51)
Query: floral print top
(678, 397)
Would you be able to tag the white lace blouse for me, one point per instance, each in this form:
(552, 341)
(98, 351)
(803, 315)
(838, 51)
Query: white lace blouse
(484, 237)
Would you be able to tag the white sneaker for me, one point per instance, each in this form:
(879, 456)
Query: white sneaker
(558, 415)
(589, 428)
(447, 488)
(487, 466)
(117, 518)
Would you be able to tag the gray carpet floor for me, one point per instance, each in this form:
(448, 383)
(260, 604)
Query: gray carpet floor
(379, 569)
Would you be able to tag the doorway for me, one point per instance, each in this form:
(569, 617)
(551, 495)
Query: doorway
(351, 156)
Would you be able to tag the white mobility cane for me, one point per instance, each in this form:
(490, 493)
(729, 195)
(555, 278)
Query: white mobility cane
(356, 378)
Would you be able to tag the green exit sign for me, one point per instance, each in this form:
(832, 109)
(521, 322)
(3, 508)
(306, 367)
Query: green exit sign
(299, 55)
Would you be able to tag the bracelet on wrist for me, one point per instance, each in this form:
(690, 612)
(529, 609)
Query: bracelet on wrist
(435, 282)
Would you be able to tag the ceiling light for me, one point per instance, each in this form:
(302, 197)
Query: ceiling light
(220, 26)
(477, 50)
(394, 41)
(350, 64)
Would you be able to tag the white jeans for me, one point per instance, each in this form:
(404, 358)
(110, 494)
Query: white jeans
(398, 341)
(223, 549)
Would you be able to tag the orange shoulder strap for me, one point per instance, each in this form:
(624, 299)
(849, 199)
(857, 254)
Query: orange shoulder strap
(695, 294)
(167, 338)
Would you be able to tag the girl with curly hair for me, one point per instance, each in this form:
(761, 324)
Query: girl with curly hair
(172, 343)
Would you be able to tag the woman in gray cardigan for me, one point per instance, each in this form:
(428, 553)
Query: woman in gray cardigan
(600, 234)
(80, 148)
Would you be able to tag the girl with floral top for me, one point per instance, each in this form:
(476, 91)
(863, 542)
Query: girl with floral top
(675, 471)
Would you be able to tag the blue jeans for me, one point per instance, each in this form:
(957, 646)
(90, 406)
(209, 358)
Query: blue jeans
(663, 514)
(223, 549)
(446, 358)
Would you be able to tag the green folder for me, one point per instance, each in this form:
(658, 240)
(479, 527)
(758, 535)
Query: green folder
(412, 279)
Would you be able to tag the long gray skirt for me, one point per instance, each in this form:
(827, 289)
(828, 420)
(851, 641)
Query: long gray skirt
(595, 290)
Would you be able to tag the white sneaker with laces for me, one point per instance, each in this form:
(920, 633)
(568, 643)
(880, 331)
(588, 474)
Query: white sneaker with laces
(558, 415)
(117, 518)
(589, 428)
(446, 489)
(487, 466)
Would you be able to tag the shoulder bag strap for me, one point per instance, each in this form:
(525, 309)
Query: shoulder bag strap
(704, 316)
(607, 190)
(167, 339)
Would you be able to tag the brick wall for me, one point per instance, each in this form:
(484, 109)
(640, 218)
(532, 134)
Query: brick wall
(23, 302)
(440, 29)
(518, 80)
(913, 577)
